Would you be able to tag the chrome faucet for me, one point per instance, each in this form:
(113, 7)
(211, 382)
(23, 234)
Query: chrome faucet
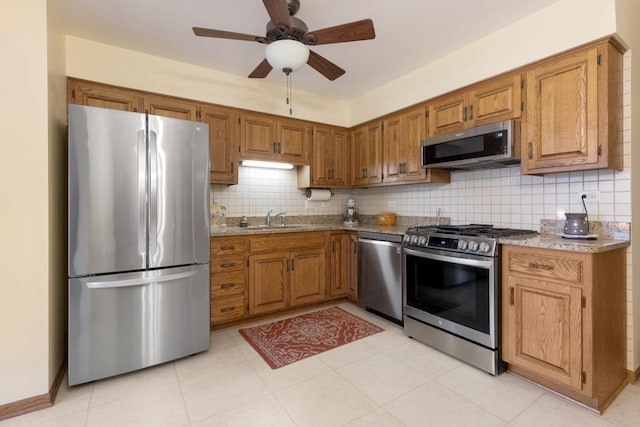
(282, 215)
(283, 218)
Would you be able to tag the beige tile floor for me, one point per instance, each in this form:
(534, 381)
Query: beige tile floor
(385, 380)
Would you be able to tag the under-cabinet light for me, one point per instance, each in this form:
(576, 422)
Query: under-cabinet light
(262, 164)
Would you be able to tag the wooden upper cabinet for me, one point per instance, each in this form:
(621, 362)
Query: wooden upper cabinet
(293, 141)
(168, 106)
(490, 101)
(573, 107)
(402, 135)
(263, 137)
(366, 154)
(104, 96)
(257, 137)
(329, 156)
(224, 131)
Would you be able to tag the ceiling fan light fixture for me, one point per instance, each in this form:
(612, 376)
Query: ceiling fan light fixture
(283, 54)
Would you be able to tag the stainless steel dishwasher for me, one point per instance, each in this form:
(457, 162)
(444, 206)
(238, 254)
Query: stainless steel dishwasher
(380, 274)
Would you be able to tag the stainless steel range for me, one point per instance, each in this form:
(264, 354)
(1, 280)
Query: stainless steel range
(451, 279)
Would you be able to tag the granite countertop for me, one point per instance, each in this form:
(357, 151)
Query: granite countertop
(611, 235)
(552, 241)
(297, 228)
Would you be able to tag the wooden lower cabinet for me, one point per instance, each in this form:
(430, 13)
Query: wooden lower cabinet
(344, 264)
(564, 320)
(228, 279)
(286, 270)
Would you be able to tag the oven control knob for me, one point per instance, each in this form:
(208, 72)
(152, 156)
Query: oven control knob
(485, 247)
(414, 240)
(473, 246)
(462, 245)
(406, 239)
(422, 241)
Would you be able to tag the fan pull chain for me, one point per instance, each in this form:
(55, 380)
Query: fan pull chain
(289, 95)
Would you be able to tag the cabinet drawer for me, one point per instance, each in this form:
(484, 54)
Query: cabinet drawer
(227, 247)
(226, 308)
(564, 268)
(227, 264)
(228, 282)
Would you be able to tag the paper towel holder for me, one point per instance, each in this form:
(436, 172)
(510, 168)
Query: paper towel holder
(308, 193)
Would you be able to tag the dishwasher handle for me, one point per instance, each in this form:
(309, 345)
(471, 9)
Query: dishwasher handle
(398, 246)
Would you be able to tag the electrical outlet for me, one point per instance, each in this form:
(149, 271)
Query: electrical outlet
(590, 196)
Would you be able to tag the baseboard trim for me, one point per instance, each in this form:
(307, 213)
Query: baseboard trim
(34, 403)
(633, 376)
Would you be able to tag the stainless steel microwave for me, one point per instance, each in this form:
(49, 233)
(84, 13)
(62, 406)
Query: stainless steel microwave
(492, 145)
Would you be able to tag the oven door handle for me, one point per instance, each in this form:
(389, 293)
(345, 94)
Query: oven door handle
(486, 264)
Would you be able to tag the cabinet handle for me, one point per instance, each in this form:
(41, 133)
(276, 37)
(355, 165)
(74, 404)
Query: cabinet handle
(293, 264)
(511, 296)
(227, 285)
(231, 168)
(227, 264)
(227, 248)
(333, 246)
(227, 309)
(274, 147)
(366, 172)
(279, 145)
(471, 112)
(540, 266)
(530, 150)
(288, 264)
(464, 114)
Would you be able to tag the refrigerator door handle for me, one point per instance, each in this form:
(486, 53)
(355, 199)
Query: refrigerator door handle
(153, 193)
(138, 281)
(142, 185)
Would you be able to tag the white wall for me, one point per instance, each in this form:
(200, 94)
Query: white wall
(24, 228)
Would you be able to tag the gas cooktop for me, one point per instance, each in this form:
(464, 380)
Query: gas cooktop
(475, 230)
(477, 239)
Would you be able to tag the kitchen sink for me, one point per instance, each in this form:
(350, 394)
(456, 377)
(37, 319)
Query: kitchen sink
(277, 227)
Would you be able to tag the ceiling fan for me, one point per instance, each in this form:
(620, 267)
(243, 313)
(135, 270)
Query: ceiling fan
(285, 26)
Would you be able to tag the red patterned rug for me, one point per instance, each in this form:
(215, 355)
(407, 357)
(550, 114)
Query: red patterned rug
(286, 341)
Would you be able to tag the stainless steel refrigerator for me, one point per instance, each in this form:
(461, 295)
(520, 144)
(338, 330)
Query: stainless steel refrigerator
(138, 241)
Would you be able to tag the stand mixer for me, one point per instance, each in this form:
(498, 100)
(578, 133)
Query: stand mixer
(351, 214)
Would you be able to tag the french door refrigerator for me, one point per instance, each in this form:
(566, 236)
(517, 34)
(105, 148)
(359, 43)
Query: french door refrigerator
(138, 241)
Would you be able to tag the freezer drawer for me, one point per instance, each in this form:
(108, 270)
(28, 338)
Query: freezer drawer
(123, 322)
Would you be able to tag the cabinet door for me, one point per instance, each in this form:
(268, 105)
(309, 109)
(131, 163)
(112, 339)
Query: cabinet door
(293, 141)
(321, 158)
(257, 137)
(393, 146)
(340, 157)
(415, 130)
(358, 156)
(167, 106)
(308, 279)
(496, 100)
(353, 266)
(561, 128)
(223, 148)
(447, 114)
(340, 252)
(542, 328)
(104, 96)
(268, 282)
(373, 146)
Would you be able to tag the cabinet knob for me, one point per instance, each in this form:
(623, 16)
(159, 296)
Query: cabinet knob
(227, 309)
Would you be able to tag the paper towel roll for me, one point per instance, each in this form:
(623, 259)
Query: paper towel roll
(318, 194)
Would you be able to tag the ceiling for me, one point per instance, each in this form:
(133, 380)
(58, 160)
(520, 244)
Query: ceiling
(409, 34)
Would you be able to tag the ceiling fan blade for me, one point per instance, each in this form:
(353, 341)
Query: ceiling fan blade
(261, 71)
(278, 12)
(353, 31)
(324, 66)
(207, 32)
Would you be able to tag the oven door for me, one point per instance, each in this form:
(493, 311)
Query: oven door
(453, 292)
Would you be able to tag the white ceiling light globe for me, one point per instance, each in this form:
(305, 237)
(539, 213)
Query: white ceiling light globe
(291, 54)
